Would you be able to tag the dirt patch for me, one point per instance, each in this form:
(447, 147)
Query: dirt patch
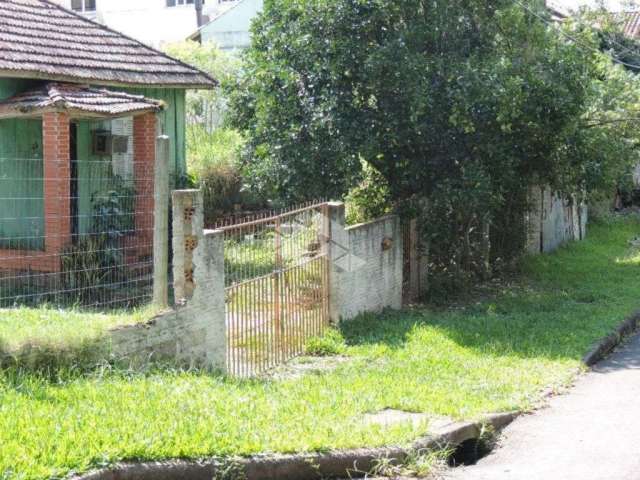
(301, 366)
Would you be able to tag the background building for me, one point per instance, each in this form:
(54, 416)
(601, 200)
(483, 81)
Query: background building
(153, 22)
(230, 29)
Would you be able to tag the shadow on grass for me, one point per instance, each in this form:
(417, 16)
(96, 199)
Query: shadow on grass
(47, 358)
(562, 304)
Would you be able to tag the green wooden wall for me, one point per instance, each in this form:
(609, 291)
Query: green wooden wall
(21, 166)
(94, 174)
(172, 123)
(21, 178)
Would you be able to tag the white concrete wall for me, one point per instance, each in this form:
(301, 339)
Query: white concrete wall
(554, 221)
(366, 266)
(193, 333)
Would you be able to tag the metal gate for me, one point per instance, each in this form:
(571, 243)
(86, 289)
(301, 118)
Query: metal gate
(276, 287)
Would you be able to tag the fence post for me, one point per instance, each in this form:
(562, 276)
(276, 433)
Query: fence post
(339, 259)
(161, 224)
(209, 296)
(188, 223)
(414, 266)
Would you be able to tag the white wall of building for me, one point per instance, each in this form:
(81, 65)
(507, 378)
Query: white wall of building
(230, 30)
(151, 21)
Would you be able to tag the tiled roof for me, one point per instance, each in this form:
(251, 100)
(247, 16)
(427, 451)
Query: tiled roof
(78, 100)
(39, 39)
(631, 24)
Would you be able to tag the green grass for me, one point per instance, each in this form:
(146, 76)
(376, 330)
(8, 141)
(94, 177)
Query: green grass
(492, 355)
(49, 330)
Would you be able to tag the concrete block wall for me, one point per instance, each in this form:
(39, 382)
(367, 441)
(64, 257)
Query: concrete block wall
(554, 221)
(366, 275)
(194, 332)
(366, 265)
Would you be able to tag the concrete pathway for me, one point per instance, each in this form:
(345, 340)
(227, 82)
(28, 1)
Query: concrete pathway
(591, 433)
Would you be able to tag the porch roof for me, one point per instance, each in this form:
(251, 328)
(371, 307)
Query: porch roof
(80, 101)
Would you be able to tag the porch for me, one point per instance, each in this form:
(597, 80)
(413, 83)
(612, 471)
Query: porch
(76, 190)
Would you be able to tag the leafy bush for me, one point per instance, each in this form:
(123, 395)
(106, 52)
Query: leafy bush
(213, 149)
(206, 108)
(96, 261)
(331, 343)
(114, 210)
(87, 266)
(370, 199)
(214, 167)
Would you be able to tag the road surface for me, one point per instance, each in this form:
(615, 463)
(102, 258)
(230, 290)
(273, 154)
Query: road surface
(591, 433)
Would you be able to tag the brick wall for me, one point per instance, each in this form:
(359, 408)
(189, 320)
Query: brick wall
(194, 332)
(57, 200)
(144, 156)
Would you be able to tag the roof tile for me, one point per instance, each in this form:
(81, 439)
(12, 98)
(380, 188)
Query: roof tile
(40, 39)
(77, 99)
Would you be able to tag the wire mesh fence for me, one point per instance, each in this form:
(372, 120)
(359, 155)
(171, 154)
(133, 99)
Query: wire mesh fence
(276, 286)
(75, 233)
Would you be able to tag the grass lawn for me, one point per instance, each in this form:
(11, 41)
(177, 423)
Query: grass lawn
(56, 330)
(493, 355)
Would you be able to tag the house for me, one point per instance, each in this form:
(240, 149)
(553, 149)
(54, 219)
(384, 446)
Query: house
(154, 22)
(80, 109)
(230, 30)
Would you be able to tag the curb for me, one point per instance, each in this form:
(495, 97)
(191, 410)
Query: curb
(352, 463)
(608, 343)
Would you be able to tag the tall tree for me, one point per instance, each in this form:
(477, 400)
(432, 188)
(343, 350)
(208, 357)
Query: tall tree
(460, 105)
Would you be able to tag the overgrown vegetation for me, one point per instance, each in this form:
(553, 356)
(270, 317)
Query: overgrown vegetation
(213, 148)
(494, 354)
(460, 107)
(331, 343)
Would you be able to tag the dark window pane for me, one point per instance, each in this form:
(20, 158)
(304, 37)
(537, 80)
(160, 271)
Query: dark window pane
(171, 3)
(90, 5)
(76, 5)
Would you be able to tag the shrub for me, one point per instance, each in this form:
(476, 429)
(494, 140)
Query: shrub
(331, 343)
(370, 199)
(215, 168)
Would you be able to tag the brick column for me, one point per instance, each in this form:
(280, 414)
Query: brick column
(57, 186)
(144, 157)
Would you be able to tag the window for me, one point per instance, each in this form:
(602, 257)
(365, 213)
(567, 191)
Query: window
(83, 5)
(173, 3)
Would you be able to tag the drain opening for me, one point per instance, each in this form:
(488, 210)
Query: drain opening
(469, 452)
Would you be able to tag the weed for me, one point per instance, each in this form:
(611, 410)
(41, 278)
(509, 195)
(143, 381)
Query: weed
(331, 343)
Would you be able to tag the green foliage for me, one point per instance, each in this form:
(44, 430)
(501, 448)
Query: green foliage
(88, 268)
(206, 107)
(497, 354)
(331, 343)
(369, 199)
(114, 211)
(214, 167)
(460, 105)
(220, 147)
(95, 262)
(48, 339)
(213, 149)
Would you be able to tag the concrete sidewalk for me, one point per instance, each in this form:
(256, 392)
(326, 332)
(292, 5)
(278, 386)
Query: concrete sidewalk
(591, 433)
